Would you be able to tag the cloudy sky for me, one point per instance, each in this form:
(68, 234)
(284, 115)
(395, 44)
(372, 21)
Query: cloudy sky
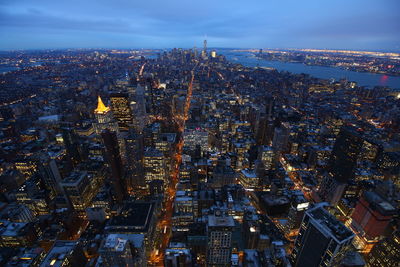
(337, 24)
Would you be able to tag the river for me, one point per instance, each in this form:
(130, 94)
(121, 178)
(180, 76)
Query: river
(362, 78)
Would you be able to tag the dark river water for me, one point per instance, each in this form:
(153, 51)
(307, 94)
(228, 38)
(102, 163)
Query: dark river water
(362, 78)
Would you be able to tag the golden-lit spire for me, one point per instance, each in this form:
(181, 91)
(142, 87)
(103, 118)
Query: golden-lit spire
(101, 108)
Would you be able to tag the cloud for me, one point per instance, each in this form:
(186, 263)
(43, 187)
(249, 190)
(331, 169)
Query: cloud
(252, 23)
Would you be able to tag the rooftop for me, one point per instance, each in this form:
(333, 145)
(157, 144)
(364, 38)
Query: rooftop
(134, 217)
(329, 224)
(379, 203)
(114, 242)
(216, 220)
(58, 253)
(74, 177)
(101, 108)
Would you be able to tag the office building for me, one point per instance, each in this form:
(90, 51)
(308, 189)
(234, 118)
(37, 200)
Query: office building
(121, 109)
(369, 220)
(104, 118)
(322, 240)
(115, 162)
(18, 234)
(135, 218)
(386, 252)
(65, 254)
(79, 191)
(222, 175)
(344, 155)
(195, 137)
(331, 190)
(177, 255)
(154, 165)
(50, 176)
(280, 140)
(115, 251)
(267, 156)
(219, 244)
(249, 179)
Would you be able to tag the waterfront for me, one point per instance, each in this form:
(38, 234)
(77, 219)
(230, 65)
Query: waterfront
(362, 78)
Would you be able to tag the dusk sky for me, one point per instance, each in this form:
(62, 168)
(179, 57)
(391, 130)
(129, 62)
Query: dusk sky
(337, 24)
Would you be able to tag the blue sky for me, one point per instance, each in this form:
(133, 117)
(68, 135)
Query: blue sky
(336, 24)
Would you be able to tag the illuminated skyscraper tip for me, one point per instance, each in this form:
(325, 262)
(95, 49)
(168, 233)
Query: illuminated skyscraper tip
(101, 108)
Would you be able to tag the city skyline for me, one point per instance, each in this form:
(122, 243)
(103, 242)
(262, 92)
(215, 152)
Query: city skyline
(200, 134)
(191, 158)
(154, 24)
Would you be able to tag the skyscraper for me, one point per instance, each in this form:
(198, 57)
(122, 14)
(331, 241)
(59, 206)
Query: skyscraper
(104, 118)
(219, 233)
(322, 240)
(344, 154)
(204, 52)
(65, 253)
(79, 191)
(116, 251)
(342, 164)
(331, 190)
(386, 252)
(71, 143)
(267, 156)
(50, 176)
(114, 160)
(281, 138)
(369, 220)
(154, 165)
(139, 107)
(120, 106)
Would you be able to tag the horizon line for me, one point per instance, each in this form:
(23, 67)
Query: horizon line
(188, 48)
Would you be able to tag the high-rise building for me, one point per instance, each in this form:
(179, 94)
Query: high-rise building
(104, 118)
(249, 179)
(18, 234)
(219, 245)
(298, 207)
(369, 220)
(281, 138)
(154, 166)
(386, 252)
(331, 190)
(322, 240)
(120, 106)
(267, 156)
(29, 257)
(204, 52)
(65, 253)
(50, 176)
(345, 153)
(139, 108)
(116, 251)
(183, 211)
(79, 191)
(342, 164)
(222, 175)
(177, 255)
(136, 218)
(114, 160)
(134, 155)
(195, 137)
(71, 142)
(251, 232)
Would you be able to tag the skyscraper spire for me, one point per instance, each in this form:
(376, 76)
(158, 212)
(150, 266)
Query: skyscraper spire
(204, 52)
(101, 108)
